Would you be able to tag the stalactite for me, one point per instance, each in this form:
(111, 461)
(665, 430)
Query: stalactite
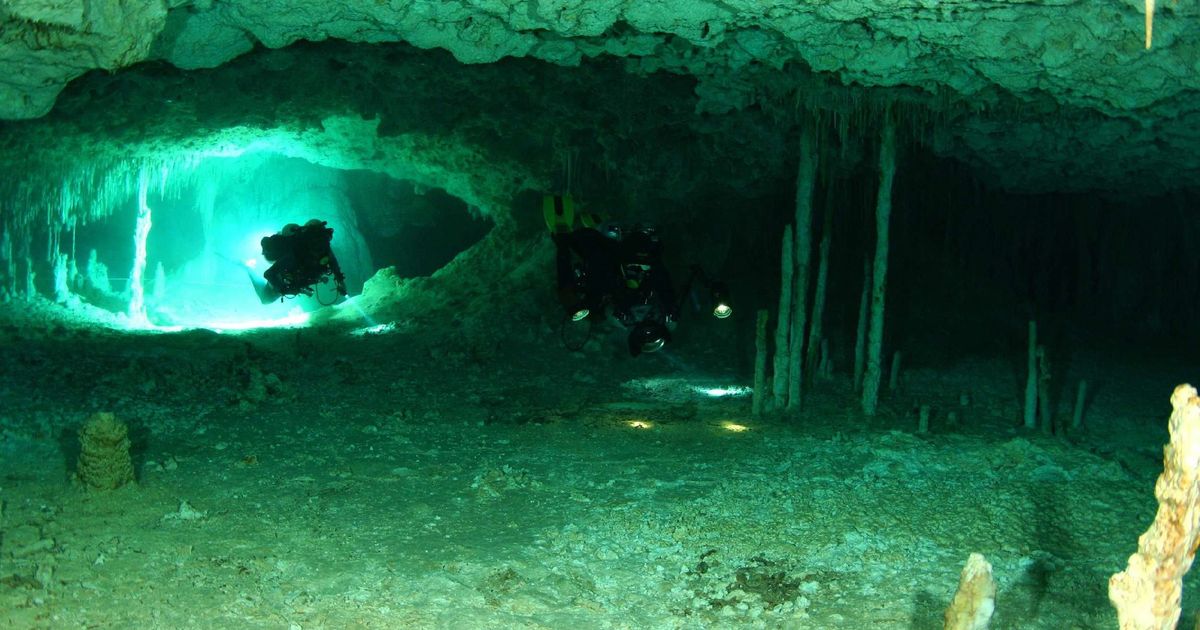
(50, 249)
(1149, 23)
(805, 177)
(89, 192)
(883, 212)
(164, 171)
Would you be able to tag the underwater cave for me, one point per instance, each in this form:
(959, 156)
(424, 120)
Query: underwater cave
(206, 231)
(644, 315)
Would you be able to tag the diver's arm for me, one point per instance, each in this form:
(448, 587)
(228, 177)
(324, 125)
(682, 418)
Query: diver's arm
(266, 292)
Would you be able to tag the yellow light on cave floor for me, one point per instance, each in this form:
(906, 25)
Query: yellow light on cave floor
(734, 427)
(640, 424)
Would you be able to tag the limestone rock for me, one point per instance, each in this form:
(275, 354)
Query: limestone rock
(1036, 97)
(46, 43)
(201, 39)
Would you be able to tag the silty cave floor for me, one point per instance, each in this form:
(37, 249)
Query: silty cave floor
(323, 480)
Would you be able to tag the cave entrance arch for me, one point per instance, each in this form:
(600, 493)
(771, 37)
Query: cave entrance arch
(207, 228)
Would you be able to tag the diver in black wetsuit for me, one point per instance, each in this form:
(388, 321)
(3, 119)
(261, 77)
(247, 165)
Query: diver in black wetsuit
(301, 258)
(610, 266)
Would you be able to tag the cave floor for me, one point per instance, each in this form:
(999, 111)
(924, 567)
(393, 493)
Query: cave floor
(324, 481)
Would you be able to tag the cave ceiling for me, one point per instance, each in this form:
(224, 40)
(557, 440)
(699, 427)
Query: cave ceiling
(1034, 96)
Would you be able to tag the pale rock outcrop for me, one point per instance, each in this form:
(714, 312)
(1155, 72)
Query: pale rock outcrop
(46, 43)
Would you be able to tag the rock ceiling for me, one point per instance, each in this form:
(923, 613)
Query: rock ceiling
(1046, 95)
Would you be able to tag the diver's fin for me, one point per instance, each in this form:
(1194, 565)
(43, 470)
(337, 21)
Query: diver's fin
(559, 212)
(266, 292)
(591, 219)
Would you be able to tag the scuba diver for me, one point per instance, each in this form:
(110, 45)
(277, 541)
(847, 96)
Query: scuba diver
(301, 258)
(607, 266)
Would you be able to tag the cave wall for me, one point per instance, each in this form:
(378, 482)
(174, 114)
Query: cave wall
(1036, 96)
(498, 135)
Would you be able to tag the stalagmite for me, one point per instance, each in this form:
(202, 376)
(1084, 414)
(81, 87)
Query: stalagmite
(159, 290)
(74, 281)
(1044, 409)
(96, 274)
(760, 363)
(1031, 380)
(825, 364)
(894, 375)
(6, 260)
(816, 330)
(62, 290)
(1147, 594)
(1080, 399)
(860, 337)
(30, 276)
(779, 382)
(29, 287)
(805, 175)
(883, 212)
(104, 461)
(137, 298)
(975, 600)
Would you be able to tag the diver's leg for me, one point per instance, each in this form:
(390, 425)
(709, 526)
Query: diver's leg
(266, 292)
(562, 259)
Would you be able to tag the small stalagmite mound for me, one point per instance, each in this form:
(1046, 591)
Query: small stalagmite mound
(104, 461)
